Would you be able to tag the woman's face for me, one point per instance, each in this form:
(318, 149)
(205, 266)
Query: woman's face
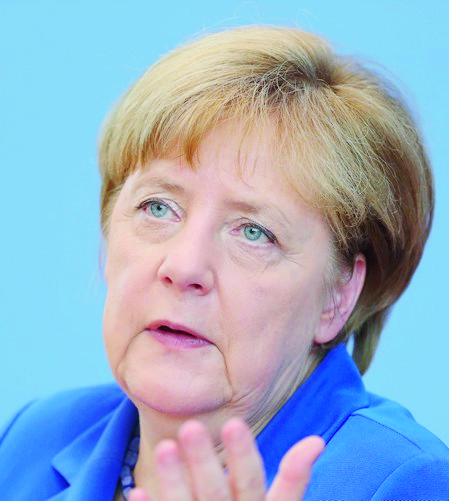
(216, 284)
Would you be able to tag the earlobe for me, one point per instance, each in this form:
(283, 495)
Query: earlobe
(342, 302)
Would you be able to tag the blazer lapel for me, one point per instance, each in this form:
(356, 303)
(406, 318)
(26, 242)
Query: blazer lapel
(91, 463)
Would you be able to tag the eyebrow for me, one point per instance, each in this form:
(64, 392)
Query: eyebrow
(253, 208)
(172, 187)
(178, 189)
(265, 210)
(158, 183)
(250, 208)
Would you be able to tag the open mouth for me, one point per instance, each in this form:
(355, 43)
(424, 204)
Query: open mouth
(166, 328)
(177, 338)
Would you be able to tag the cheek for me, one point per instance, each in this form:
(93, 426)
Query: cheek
(128, 268)
(116, 328)
(275, 319)
(281, 302)
(127, 283)
(125, 292)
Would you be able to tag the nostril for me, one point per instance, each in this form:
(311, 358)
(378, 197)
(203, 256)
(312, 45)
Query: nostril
(185, 277)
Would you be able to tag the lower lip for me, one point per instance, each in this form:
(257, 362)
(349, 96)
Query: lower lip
(178, 341)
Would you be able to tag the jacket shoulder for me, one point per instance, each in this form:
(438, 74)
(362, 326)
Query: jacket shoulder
(381, 452)
(425, 476)
(61, 417)
(67, 423)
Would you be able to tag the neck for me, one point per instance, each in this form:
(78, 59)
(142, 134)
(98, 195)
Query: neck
(155, 427)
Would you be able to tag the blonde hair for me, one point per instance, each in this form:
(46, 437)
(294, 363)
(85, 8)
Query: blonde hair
(341, 134)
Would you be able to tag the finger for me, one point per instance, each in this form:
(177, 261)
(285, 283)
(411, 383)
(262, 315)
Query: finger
(295, 470)
(206, 472)
(170, 478)
(246, 471)
(138, 494)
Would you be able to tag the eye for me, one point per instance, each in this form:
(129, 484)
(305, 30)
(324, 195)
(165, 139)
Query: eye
(157, 208)
(256, 233)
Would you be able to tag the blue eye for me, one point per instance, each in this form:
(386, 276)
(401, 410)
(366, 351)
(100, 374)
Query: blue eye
(158, 209)
(254, 233)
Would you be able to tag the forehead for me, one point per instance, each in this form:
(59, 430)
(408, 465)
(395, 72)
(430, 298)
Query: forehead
(225, 159)
(230, 155)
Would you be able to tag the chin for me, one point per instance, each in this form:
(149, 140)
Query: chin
(172, 396)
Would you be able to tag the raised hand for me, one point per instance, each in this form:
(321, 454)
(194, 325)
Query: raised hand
(206, 479)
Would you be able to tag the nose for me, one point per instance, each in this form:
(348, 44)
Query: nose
(187, 264)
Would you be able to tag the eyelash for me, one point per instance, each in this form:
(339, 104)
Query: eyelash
(146, 203)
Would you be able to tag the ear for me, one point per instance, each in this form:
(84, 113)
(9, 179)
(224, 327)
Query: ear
(341, 301)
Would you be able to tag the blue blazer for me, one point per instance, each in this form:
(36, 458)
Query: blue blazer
(70, 447)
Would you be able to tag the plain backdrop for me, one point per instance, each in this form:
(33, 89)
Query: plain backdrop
(62, 65)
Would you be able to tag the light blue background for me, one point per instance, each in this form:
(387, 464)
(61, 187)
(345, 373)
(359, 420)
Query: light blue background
(63, 63)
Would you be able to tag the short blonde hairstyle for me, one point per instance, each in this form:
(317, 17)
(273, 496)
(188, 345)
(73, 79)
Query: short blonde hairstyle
(342, 134)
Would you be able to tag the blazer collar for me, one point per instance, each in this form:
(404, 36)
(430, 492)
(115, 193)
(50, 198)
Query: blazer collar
(94, 457)
(318, 407)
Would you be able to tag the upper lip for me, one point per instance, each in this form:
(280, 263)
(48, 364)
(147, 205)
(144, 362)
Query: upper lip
(157, 324)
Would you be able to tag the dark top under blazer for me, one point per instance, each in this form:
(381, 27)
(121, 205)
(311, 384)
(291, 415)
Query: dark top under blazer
(70, 446)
